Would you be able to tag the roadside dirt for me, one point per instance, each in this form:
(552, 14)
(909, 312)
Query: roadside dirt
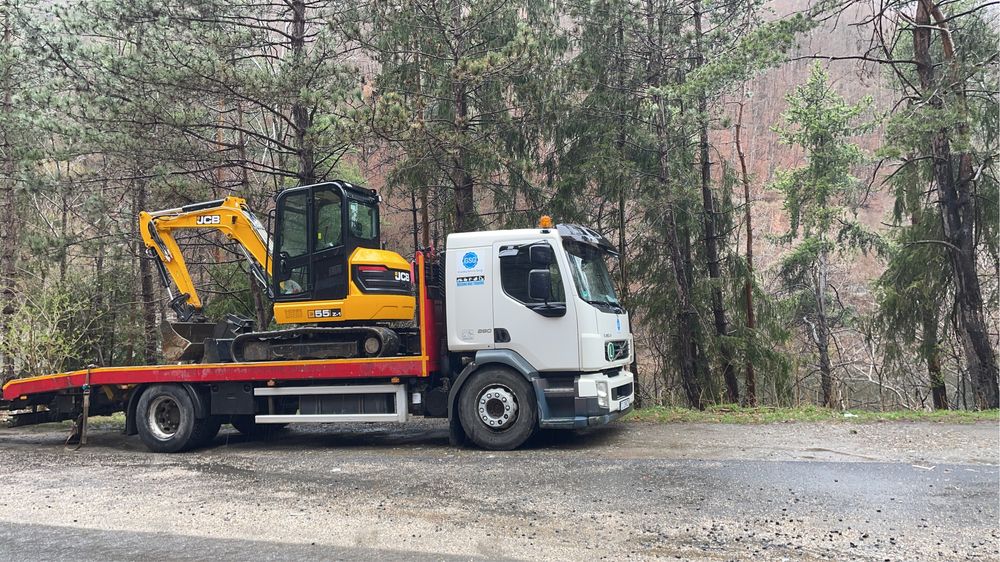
(881, 491)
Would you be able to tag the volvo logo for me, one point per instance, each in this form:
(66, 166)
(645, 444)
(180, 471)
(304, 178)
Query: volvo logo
(615, 350)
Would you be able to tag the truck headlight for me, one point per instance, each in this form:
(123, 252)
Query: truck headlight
(602, 394)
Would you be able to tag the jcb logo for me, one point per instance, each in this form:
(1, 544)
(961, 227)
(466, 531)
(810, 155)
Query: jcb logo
(403, 276)
(208, 219)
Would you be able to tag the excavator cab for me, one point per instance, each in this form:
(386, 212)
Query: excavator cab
(323, 264)
(317, 228)
(328, 261)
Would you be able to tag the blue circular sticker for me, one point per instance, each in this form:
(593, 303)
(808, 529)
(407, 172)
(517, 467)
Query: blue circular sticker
(469, 260)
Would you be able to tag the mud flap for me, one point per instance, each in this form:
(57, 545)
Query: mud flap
(456, 433)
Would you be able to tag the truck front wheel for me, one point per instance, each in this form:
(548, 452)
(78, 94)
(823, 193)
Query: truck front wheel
(166, 420)
(498, 409)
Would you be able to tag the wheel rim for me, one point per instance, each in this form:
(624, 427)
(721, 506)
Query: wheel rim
(164, 417)
(497, 407)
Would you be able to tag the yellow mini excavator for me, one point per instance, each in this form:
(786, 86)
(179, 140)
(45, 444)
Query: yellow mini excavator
(323, 268)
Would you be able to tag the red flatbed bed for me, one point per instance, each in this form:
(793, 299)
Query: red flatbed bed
(421, 365)
(220, 372)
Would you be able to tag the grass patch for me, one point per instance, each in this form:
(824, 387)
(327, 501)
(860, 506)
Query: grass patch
(740, 415)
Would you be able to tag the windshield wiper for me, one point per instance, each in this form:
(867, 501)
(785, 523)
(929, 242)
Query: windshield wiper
(613, 305)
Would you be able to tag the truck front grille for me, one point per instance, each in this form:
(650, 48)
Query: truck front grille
(616, 350)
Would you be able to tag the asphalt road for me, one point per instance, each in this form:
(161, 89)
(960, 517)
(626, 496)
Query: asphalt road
(841, 491)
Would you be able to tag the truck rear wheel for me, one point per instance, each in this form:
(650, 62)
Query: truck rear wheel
(166, 420)
(498, 409)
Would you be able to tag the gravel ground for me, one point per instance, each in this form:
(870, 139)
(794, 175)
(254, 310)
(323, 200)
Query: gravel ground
(841, 491)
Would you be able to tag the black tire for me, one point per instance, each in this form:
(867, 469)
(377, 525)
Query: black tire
(489, 418)
(165, 419)
(205, 431)
(247, 426)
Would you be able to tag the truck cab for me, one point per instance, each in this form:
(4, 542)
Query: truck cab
(539, 303)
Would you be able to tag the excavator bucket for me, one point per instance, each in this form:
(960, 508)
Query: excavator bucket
(185, 341)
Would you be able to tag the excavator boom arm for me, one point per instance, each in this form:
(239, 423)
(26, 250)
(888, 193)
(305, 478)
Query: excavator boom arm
(230, 216)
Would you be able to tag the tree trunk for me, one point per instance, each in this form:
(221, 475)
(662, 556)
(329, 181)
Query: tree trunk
(623, 272)
(9, 225)
(622, 247)
(958, 212)
(932, 353)
(686, 315)
(147, 299)
(751, 379)
(263, 310)
(305, 151)
(63, 230)
(104, 329)
(416, 226)
(465, 204)
(822, 331)
(711, 234)
(425, 223)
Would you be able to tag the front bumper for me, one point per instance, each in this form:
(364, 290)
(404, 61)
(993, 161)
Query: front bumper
(585, 400)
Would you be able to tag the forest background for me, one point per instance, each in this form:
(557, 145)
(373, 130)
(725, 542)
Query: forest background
(804, 194)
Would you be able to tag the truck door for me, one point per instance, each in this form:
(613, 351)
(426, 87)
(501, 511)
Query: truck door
(542, 330)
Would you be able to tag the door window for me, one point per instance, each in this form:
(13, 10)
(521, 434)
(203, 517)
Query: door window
(294, 248)
(514, 268)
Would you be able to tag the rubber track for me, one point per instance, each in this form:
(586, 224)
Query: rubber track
(389, 338)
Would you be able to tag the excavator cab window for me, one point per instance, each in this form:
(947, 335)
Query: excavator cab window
(317, 229)
(329, 230)
(364, 220)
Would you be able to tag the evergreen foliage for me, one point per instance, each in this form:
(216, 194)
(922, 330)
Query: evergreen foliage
(820, 198)
(486, 114)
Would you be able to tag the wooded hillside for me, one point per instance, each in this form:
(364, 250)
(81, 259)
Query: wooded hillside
(805, 197)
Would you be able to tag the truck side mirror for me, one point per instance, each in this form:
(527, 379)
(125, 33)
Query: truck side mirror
(541, 256)
(540, 284)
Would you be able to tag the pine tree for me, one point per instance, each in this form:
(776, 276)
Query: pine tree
(469, 80)
(818, 198)
(943, 140)
(22, 106)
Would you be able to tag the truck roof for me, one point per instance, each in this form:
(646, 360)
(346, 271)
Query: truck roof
(575, 232)
(487, 237)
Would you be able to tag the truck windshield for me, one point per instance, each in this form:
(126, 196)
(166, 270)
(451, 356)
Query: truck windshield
(590, 274)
